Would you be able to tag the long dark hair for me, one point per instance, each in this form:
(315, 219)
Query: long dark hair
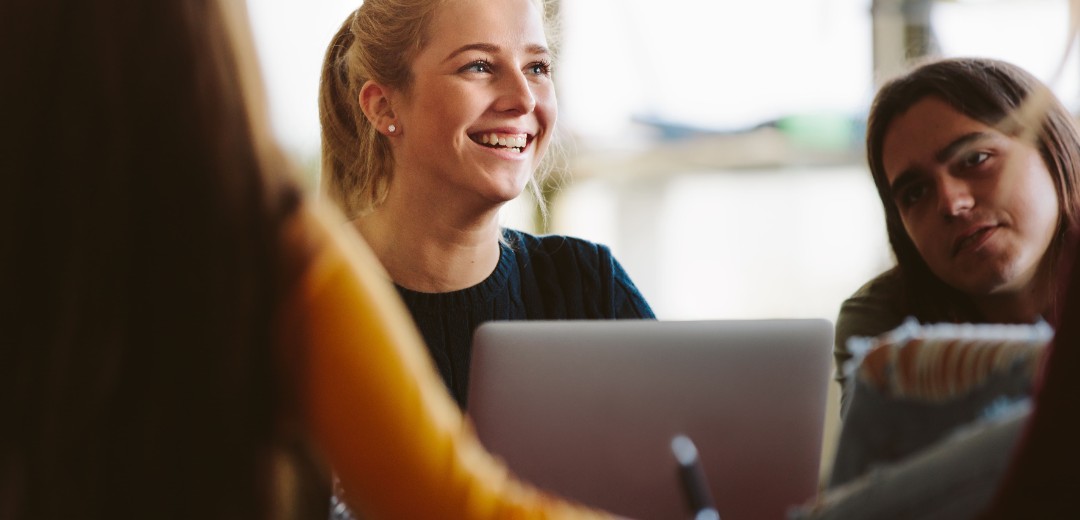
(141, 264)
(992, 92)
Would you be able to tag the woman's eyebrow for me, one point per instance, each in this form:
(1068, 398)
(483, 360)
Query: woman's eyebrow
(485, 47)
(950, 150)
(494, 49)
(911, 174)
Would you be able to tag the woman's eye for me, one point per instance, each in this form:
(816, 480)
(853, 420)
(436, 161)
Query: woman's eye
(974, 159)
(540, 68)
(477, 66)
(911, 195)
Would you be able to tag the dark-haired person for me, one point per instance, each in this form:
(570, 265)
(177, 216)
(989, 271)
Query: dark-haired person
(977, 200)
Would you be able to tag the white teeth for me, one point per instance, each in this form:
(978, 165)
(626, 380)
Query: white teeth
(506, 141)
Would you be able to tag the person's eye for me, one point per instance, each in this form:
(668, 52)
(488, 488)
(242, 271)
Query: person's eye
(481, 66)
(973, 159)
(911, 195)
(539, 68)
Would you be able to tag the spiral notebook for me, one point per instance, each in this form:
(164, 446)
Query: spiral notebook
(588, 409)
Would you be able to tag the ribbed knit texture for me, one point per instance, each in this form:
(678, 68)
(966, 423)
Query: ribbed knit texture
(550, 277)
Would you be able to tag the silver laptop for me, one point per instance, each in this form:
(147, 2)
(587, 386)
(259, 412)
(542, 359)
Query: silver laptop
(588, 409)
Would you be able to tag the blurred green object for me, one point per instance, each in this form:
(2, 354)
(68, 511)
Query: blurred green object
(821, 130)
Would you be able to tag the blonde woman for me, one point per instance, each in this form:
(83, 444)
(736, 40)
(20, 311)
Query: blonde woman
(434, 115)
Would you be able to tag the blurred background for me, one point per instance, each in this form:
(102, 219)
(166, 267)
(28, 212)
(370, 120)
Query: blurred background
(715, 145)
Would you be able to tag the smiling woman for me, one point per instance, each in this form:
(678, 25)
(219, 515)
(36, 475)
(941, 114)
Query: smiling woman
(434, 115)
(978, 198)
(475, 118)
(397, 64)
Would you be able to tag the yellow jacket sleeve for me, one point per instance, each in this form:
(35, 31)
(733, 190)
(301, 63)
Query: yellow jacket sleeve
(376, 408)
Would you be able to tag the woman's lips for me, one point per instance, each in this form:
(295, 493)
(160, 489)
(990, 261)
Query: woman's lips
(516, 141)
(972, 239)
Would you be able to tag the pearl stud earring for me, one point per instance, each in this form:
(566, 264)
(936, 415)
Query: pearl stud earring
(391, 129)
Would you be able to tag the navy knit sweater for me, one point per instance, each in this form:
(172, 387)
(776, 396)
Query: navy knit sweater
(549, 277)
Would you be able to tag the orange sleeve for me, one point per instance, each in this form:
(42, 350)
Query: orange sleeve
(376, 407)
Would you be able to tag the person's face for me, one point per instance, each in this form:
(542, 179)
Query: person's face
(480, 111)
(979, 205)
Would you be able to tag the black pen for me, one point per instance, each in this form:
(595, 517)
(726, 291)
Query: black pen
(693, 478)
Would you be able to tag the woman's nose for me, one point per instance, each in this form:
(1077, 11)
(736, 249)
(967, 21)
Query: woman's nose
(954, 196)
(516, 94)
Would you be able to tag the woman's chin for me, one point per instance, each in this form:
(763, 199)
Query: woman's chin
(509, 191)
(991, 282)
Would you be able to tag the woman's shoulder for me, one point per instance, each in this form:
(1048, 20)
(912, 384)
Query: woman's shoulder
(874, 308)
(883, 288)
(555, 245)
(583, 271)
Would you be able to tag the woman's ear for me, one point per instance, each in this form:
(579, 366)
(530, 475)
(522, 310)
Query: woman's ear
(375, 103)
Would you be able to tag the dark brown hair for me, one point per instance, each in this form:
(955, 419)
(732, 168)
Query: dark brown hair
(141, 264)
(992, 92)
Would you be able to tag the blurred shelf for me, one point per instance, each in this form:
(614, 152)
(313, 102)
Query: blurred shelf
(762, 148)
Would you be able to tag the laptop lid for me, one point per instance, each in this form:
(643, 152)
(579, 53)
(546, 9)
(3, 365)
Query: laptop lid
(588, 409)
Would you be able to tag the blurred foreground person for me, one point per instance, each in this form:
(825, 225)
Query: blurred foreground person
(182, 335)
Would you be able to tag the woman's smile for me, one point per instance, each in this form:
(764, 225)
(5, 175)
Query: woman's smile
(512, 142)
